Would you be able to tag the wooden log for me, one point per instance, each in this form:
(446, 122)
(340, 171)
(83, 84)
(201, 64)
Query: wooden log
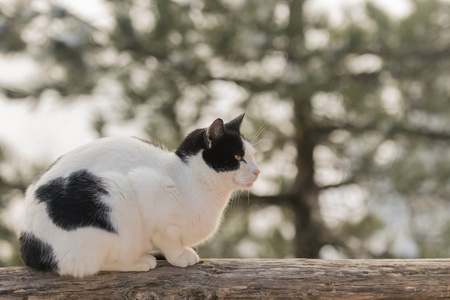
(244, 279)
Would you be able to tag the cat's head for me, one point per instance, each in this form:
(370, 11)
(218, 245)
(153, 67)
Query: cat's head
(223, 149)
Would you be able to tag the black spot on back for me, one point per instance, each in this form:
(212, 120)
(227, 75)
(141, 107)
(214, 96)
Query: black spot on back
(75, 201)
(36, 253)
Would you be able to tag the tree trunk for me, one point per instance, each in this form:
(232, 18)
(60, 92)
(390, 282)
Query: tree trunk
(239, 279)
(310, 231)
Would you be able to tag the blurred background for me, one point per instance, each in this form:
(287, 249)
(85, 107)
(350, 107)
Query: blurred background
(347, 103)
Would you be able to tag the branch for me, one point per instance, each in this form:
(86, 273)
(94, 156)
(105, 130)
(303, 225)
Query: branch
(396, 129)
(281, 199)
(434, 135)
(238, 279)
(411, 53)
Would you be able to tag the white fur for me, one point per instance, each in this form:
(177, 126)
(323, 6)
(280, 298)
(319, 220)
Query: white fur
(158, 203)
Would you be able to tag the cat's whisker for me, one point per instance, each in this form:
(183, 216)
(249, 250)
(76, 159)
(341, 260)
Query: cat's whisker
(238, 196)
(234, 198)
(258, 132)
(257, 144)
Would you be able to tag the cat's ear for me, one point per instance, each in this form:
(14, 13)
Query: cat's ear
(235, 124)
(214, 132)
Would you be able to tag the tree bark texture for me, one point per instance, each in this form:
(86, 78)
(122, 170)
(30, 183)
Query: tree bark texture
(244, 279)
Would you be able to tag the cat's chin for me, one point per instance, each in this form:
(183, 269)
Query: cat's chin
(242, 186)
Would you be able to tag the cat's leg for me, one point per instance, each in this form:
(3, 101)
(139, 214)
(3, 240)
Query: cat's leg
(186, 258)
(79, 265)
(169, 242)
(128, 250)
(145, 263)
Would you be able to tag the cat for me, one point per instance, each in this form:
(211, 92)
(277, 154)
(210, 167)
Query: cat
(110, 204)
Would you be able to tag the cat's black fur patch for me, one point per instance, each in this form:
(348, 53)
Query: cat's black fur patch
(35, 253)
(191, 145)
(220, 154)
(75, 201)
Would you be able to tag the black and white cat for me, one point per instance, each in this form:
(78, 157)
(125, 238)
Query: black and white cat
(108, 204)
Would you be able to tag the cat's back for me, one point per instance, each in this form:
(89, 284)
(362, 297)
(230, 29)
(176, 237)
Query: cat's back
(78, 183)
(111, 154)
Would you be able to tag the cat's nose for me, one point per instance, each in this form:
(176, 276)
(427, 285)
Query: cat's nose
(257, 172)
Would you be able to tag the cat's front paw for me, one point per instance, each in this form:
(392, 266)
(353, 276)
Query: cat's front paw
(187, 258)
(147, 262)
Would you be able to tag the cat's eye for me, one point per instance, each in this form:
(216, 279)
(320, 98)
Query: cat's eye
(239, 158)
